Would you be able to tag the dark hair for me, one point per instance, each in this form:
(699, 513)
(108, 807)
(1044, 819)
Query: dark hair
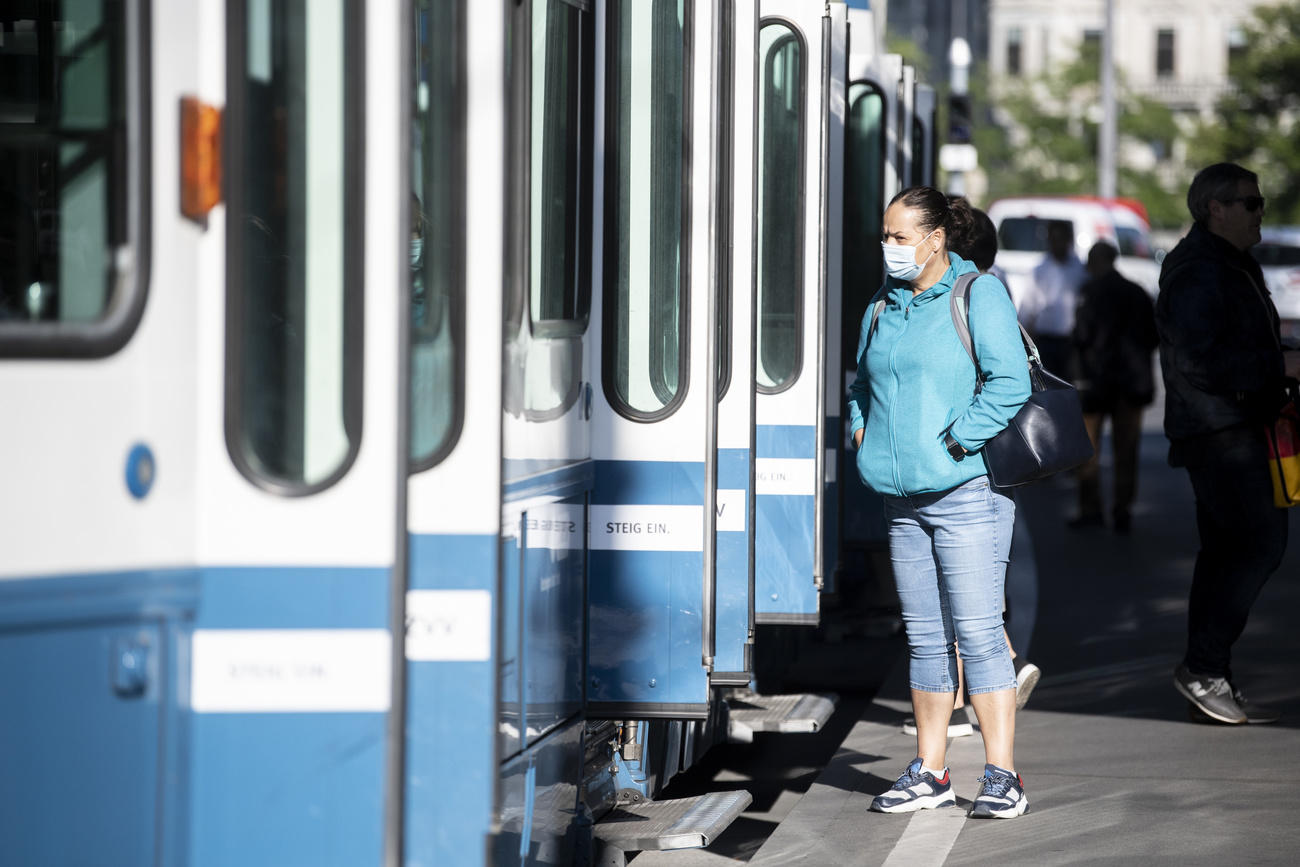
(980, 245)
(1102, 255)
(1218, 183)
(935, 210)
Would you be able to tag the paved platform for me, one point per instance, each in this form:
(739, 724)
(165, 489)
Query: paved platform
(1115, 770)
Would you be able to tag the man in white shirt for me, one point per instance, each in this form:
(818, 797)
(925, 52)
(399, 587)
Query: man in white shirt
(1047, 309)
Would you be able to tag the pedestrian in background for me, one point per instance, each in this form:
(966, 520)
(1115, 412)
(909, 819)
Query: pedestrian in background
(1047, 309)
(980, 246)
(1224, 371)
(1114, 341)
(919, 425)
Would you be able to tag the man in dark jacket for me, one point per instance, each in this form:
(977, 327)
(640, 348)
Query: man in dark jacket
(1114, 339)
(1224, 371)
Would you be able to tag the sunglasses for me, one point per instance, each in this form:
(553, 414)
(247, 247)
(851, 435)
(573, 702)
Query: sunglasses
(1250, 203)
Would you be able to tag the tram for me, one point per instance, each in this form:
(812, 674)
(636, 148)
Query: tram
(413, 409)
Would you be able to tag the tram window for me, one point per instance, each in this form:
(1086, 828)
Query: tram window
(71, 188)
(294, 199)
(864, 186)
(438, 171)
(780, 230)
(559, 270)
(645, 206)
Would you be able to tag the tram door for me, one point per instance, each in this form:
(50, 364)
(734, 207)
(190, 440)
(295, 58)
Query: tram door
(546, 426)
(800, 105)
(456, 79)
(91, 606)
(924, 140)
(733, 276)
(889, 70)
(650, 622)
(869, 181)
(292, 674)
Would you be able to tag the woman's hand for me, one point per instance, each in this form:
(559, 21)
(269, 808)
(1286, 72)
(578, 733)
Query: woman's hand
(857, 437)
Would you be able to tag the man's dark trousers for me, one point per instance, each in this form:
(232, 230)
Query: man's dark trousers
(1243, 538)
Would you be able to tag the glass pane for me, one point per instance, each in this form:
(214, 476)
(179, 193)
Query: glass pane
(1133, 242)
(645, 163)
(437, 225)
(63, 159)
(723, 192)
(780, 204)
(918, 152)
(291, 280)
(556, 113)
(1024, 233)
(864, 179)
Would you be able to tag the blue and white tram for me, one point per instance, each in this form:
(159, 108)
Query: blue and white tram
(414, 407)
(200, 530)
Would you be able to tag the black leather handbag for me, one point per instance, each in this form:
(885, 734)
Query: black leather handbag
(1047, 435)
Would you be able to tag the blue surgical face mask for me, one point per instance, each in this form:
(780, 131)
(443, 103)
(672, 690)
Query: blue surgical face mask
(900, 259)
(417, 251)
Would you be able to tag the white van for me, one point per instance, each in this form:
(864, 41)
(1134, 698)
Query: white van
(1022, 235)
(1278, 253)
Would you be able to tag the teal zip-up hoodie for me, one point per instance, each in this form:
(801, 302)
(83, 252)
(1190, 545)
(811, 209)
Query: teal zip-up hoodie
(915, 382)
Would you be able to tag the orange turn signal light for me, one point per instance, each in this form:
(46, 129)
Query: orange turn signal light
(200, 158)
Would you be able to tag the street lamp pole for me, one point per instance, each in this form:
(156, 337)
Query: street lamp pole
(1108, 144)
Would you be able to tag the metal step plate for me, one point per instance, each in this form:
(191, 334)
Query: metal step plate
(685, 823)
(749, 712)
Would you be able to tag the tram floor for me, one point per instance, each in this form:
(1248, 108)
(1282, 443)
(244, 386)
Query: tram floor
(1115, 770)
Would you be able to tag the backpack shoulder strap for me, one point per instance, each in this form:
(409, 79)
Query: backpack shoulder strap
(877, 304)
(959, 306)
(875, 314)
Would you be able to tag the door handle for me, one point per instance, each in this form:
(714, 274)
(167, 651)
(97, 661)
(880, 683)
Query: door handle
(130, 666)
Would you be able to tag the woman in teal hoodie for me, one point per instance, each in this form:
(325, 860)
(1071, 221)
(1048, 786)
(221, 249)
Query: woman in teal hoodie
(919, 427)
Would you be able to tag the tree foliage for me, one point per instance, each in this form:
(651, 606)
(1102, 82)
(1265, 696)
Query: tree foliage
(1045, 137)
(1256, 122)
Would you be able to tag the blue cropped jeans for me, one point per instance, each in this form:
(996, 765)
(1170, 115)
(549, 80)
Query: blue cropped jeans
(949, 554)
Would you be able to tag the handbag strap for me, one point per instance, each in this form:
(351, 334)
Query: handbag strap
(959, 306)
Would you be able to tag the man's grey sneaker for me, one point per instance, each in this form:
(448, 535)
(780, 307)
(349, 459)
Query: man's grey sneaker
(916, 790)
(1212, 696)
(1002, 795)
(1027, 675)
(1255, 715)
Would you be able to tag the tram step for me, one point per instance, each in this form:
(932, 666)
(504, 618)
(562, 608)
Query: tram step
(683, 823)
(749, 712)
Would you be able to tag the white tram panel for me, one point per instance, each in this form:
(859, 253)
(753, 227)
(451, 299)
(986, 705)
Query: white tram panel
(462, 494)
(791, 405)
(679, 436)
(241, 523)
(66, 507)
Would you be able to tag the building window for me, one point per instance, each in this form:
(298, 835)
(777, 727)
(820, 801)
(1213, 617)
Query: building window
(1236, 45)
(1015, 46)
(1164, 53)
(1091, 48)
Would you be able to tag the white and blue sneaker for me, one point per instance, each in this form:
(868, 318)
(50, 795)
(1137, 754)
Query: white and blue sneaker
(916, 790)
(1002, 795)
